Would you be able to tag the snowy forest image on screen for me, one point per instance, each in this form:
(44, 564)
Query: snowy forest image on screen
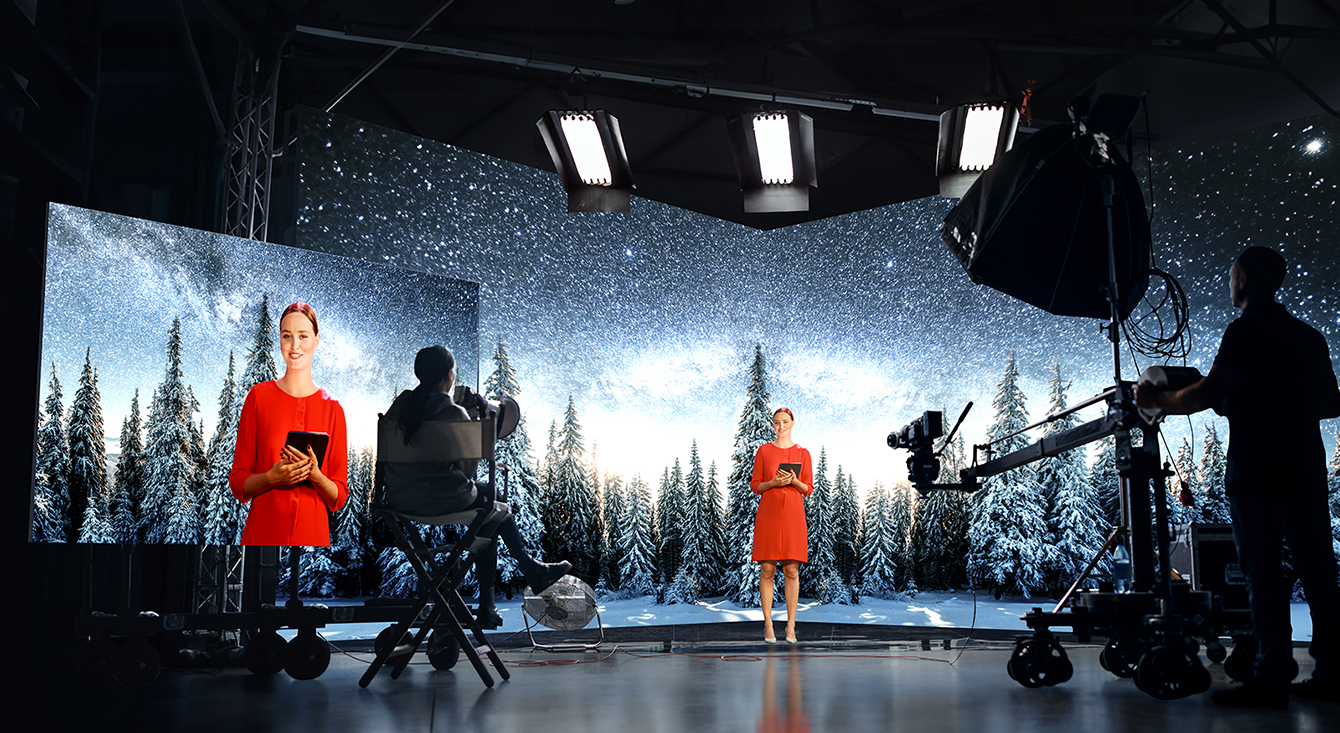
(648, 350)
(152, 335)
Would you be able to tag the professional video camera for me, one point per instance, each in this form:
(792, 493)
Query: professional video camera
(506, 413)
(918, 436)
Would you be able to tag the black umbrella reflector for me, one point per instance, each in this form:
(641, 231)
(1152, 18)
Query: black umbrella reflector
(1034, 226)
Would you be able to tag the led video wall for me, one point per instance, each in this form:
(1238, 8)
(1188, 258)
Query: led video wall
(151, 336)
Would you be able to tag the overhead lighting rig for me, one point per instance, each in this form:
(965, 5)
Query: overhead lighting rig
(972, 137)
(588, 153)
(774, 155)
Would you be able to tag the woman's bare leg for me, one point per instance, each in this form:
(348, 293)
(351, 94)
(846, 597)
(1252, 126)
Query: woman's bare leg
(769, 569)
(791, 577)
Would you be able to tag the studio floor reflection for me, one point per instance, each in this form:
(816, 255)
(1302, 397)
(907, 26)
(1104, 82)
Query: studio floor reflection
(703, 686)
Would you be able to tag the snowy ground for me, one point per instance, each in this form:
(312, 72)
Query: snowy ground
(934, 609)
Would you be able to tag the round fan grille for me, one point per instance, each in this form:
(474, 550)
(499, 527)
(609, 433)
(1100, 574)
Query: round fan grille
(567, 605)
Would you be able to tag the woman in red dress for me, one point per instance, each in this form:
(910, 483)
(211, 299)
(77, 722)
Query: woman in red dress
(291, 492)
(779, 526)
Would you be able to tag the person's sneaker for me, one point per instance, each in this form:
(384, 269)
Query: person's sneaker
(1254, 695)
(1324, 688)
(546, 575)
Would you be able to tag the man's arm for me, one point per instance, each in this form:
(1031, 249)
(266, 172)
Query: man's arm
(1201, 395)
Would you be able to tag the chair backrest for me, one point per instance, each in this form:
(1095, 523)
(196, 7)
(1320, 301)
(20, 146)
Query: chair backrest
(437, 441)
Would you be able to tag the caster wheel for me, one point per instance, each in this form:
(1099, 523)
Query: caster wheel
(307, 656)
(1215, 652)
(264, 654)
(1037, 662)
(385, 639)
(1120, 658)
(1165, 673)
(95, 660)
(1200, 679)
(443, 650)
(1238, 666)
(137, 664)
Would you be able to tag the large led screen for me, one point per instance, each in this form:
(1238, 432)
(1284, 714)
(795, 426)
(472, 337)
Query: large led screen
(151, 336)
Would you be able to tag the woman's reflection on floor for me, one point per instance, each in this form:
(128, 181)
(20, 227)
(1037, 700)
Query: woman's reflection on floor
(772, 719)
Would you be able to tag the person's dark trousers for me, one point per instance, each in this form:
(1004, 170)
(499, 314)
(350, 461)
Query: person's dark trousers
(1260, 524)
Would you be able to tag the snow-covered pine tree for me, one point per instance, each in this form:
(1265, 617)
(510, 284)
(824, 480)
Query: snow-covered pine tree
(260, 357)
(1008, 531)
(219, 509)
(1185, 470)
(700, 524)
(88, 458)
(899, 536)
(168, 465)
(1106, 482)
(398, 579)
(523, 482)
(637, 550)
(320, 572)
(550, 503)
(599, 531)
(575, 500)
(1213, 469)
(613, 515)
(670, 508)
(879, 566)
(128, 480)
(754, 429)
(1074, 522)
(844, 521)
(719, 545)
(51, 492)
(350, 535)
(818, 525)
(684, 589)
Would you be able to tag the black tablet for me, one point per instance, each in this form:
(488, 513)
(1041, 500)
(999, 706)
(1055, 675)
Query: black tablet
(792, 467)
(318, 441)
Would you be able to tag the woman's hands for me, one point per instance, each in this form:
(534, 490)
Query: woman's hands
(783, 478)
(293, 467)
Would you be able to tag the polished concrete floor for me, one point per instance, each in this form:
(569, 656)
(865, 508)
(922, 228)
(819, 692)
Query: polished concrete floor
(835, 682)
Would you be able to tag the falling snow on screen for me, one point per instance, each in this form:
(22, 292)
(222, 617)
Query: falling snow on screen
(648, 318)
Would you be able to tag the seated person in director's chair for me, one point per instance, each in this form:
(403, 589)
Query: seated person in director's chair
(428, 448)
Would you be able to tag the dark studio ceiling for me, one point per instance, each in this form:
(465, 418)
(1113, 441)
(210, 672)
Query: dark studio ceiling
(873, 75)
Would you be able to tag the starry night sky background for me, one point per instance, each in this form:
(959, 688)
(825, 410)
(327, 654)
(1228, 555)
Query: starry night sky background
(648, 318)
(115, 283)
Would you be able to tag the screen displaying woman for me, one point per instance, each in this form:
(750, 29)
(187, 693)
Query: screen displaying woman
(291, 491)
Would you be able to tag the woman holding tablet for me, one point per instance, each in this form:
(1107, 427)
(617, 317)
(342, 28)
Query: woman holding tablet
(779, 526)
(291, 490)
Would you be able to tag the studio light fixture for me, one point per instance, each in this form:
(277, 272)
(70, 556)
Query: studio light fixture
(588, 153)
(972, 137)
(774, 155)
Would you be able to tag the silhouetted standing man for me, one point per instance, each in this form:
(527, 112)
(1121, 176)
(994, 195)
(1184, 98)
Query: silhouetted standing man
(1273, 375)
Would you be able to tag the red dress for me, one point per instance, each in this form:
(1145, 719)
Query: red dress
(779, 527)
(296, 514)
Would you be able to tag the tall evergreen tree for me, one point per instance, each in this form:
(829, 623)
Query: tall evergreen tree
(575, 500)
(88, 459)
(168, 465)
(844, 521)
(637, 550)
(1213, 470)
(670, 508)
(260, 357)
(754, 429)
(51, 492)
(1333, 491)
(523, 482)
(1185, 465)
(550, 504)
(899, 545)
(614, 514)
(818, 509)
(219, 507)
(128, 481)
(1008, 533)
(1074, 521)
(1106, 482)
(699, 525)
(879, 562)
(718, 545)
